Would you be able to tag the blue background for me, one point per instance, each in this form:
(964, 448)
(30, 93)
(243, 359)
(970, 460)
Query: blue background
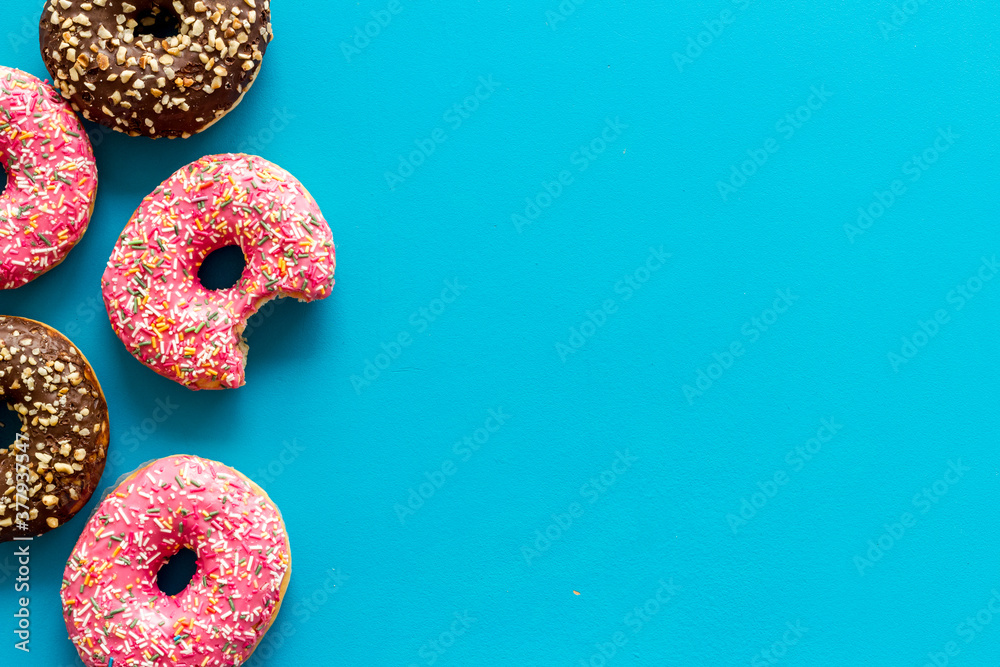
(373, 585)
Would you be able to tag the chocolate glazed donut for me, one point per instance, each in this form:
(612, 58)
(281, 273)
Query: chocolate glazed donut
(55, 465)
(104, 60)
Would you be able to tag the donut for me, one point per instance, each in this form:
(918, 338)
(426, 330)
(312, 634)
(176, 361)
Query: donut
(52, 178)
(114, 611)
(158, 307)
(52, 469)
(104, 58)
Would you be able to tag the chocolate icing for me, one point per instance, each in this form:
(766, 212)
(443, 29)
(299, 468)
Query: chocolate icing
(114, 74)
(45, 379)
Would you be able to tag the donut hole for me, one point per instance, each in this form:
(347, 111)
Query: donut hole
(158, 23)
(10, 423)
(175, 575)
(222, 268)
(3, 183)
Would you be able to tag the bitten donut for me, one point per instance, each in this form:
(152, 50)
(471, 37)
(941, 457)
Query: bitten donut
(114, 610)
(52, 178)
(52, 469)
(104, 59)
(157, 305)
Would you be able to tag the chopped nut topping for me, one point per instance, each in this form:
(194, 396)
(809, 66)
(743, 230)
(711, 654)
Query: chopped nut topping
(105, 54)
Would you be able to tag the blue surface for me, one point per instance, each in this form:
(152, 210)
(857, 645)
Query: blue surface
(753, 502)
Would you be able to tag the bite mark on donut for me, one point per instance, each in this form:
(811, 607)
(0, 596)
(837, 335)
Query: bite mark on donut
(159, 308)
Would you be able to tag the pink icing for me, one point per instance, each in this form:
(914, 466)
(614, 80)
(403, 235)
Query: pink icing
(52, 178)
(156, 303)
(111, 603)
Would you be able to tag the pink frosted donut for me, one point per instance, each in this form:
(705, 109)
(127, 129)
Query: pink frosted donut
(52, 178)
(157, 305)
(113, 608)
